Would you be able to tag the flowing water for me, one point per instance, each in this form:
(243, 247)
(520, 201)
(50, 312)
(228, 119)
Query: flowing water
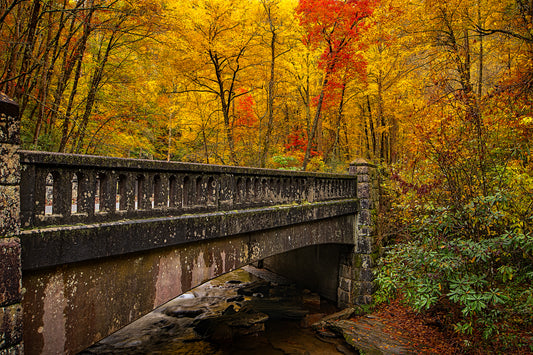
(248, 311)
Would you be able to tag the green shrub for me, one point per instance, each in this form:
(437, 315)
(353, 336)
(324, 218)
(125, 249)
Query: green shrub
(479, 258)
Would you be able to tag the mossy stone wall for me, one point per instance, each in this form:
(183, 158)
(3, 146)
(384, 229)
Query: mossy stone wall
(357, 263)
(10, 251)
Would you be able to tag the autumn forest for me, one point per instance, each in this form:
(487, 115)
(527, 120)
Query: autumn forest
(437, 93)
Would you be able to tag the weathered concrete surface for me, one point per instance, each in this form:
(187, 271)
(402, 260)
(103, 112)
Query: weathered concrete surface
(66, 244)
(68, 308)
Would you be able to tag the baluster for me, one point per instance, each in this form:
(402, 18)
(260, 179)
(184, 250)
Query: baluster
(323, 190)
(269, 190)
(238, 191)
(179, 191)
(226, 191)
(346, 189)
(290, 190)
(160, 192)
(126, 192)
(187, 191)
(265, 198)
(302, 196)
(165, 191)
(40, 197)
(107, 193)
(277, 191)
(247, 196)
(200, 191)
(31, 195)
(282, 190)
(311, 189)
(296, 189)
(211, 191)
(62, 202)
(121, 193)
(256, 193)
(172, 191)
(86, 192)
(130, 193)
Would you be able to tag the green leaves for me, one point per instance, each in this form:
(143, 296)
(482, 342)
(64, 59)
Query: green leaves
(486, 276)
(428, 293)
(507, 272)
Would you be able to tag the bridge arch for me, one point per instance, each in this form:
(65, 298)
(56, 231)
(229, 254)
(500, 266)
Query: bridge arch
(87, 274)
(92, 299)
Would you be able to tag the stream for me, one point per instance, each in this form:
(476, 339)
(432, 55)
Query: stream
(247, 311)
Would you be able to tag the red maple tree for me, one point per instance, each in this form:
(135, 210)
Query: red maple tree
(336, 26)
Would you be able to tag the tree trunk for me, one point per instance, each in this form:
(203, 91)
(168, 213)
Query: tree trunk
(380, 119)
(80, 52)
(371, 127)
(334, 148)
(68, 62)
(7, 10)
(22, 92)
(93, 89)
(9, 74)
(270, 99)
(225, 104)
(311, 137)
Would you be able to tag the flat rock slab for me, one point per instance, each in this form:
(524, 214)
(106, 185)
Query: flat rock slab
(374, 336)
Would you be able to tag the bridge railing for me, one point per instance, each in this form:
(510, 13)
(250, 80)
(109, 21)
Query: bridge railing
(63, 189)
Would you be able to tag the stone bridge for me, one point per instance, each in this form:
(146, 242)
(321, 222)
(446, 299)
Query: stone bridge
(88, 244)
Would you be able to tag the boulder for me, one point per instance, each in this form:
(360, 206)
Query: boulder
(370, 335)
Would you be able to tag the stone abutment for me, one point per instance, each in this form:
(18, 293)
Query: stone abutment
(10, 249)
(341, 272)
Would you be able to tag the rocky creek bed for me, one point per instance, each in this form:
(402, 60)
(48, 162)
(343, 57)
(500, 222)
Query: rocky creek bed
(253, 311)
(248, 311)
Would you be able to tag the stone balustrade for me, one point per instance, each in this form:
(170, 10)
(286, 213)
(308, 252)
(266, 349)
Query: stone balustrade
(65, 189)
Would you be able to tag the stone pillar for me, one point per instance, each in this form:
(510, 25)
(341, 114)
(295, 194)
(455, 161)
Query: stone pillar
(10, 263)
(357, 263)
